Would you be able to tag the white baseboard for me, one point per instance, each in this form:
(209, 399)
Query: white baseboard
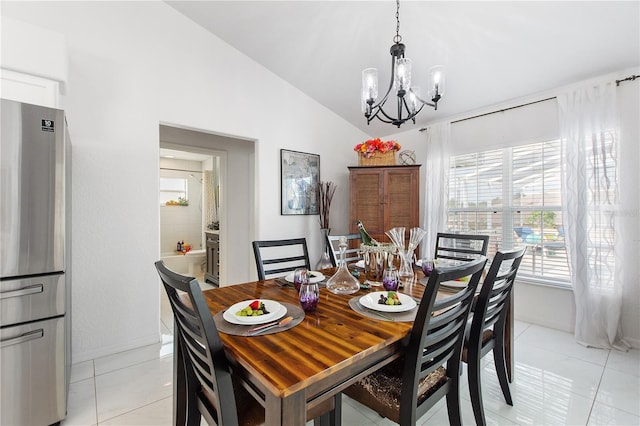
(556, 325)
(110, 350)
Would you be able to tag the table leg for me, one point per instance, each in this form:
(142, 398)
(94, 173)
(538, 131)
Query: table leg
(289, 411)
(332, 418)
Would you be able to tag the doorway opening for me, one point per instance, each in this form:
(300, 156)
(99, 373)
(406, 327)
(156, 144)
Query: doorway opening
(234, 191)
(189, 195)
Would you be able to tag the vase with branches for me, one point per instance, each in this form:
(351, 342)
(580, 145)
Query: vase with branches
(325, 195)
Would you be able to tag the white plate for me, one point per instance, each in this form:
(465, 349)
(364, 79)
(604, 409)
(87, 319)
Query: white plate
(450, 284)
(359, 264)
(314, 277)
(276, 311)
(371, 301)
(456, 284)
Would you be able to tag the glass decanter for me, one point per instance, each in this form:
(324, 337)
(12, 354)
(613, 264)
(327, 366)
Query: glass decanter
(342, 282)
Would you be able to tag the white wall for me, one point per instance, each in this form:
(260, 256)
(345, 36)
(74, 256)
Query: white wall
(132, 66)
(551, 306)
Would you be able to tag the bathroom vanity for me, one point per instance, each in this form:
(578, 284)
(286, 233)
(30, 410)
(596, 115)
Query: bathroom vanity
(212, 274)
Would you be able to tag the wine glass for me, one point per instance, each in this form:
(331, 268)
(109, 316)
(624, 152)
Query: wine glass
(427, 266)
(309, 296)
(300, 277)
(390, 279)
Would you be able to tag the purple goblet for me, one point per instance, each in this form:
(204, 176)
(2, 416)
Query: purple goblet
(309, 297)
(390, 280)
(300, 276)
(427, 266)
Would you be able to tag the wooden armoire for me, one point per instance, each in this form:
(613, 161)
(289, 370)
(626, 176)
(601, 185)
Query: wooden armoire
(384, 197)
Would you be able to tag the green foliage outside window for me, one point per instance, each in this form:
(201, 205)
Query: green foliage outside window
(548, 219)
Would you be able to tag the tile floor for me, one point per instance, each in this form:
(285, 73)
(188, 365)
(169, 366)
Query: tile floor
(557, 382)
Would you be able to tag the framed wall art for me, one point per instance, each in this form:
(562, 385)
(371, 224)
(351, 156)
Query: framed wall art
(299, 177)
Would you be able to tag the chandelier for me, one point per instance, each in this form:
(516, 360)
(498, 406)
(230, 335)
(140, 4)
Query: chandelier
(409, 103)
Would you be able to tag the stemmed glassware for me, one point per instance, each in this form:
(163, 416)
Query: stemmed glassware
(396, 235)
(309, 296)
(300, 276)
(390, 279)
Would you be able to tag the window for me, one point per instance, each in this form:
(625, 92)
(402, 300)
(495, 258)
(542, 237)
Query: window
(514, 196)
(173, 191)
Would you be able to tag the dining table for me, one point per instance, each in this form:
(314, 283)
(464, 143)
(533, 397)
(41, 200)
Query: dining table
(297, 372)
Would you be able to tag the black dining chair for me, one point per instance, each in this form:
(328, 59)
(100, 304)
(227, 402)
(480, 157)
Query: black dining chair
(429, 368)
(486, 328)
(460, 246)
(352, 254)
(277, 257)
(211, 391)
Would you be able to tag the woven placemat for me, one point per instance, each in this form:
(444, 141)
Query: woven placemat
(240, 330)
(407, 316)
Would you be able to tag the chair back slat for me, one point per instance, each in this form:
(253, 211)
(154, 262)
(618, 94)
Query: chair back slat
(352, 254)
(460, 246)
(437, 338)
(204, 357)
(285, 255)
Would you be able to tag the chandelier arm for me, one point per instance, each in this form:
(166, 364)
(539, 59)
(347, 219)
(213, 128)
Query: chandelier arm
(386, 95)
(370, 119)
(422, 101)
(386, 115)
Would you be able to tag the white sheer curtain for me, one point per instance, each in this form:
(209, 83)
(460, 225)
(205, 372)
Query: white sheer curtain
(437, 185)
(589, 133)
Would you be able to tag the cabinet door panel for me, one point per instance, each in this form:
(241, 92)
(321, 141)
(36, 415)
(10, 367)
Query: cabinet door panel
(367, 199)
(402, 199)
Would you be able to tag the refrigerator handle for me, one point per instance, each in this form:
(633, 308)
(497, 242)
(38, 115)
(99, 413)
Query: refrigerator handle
(32, 289)
(32, 335)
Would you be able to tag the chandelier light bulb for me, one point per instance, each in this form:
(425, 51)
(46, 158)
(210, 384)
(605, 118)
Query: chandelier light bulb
(370, 84)
(403, 75)
(436, 82)
(413, 101)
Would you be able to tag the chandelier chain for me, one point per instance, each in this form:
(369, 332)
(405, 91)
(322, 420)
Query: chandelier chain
(398, 37)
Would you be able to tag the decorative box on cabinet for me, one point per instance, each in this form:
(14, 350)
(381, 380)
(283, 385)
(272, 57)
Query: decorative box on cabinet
(212, 274)
(384, 197)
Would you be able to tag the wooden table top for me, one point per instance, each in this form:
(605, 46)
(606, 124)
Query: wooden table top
(327, 342)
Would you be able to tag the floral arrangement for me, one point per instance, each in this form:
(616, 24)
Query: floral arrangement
(369, 148)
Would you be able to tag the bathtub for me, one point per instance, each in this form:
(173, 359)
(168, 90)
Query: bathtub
(193, 263)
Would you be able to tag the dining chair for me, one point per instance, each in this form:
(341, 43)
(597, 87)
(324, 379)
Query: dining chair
(460, 246)
(486, 328)
(352, 254)
(429, 368)
(276, 257)
(211, 391)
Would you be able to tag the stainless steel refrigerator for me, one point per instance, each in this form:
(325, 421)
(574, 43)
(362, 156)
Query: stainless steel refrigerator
(35, 281)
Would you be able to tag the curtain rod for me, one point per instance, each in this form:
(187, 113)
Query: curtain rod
(503, 110)
(630, 78)
(181, 170)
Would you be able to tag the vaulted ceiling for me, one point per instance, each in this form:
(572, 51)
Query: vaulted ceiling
(493, 51)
